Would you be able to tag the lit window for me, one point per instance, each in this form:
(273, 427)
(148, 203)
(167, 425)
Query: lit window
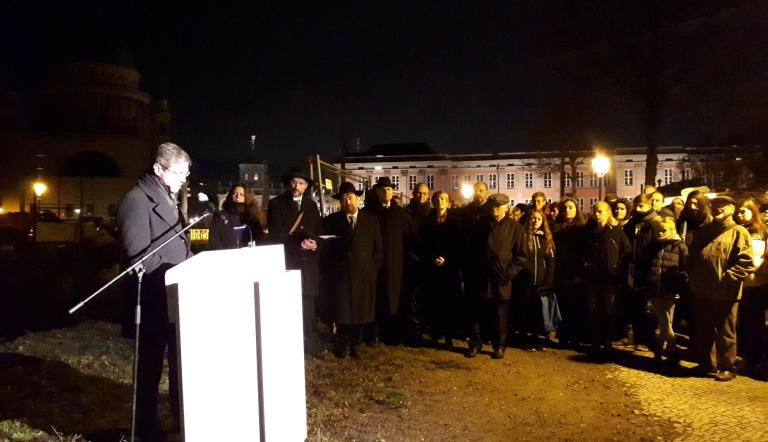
(454, 182)
(492, 181)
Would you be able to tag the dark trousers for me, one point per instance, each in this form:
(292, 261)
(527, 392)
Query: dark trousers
(153, 342)
(348, 336)
(572, 301)
(309, 317)
(752, 332)
(494, 313)
(716, 322)
(601, 299)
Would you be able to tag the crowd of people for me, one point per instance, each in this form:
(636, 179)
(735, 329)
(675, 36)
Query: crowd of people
(538, 274)
(534, 274)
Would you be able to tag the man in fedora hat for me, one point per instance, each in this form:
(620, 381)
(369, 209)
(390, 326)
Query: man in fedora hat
(397, 234)
(294, 221)
(720, 258)
(352, 259)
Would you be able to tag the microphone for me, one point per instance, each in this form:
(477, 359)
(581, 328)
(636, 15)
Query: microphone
(251, 243)
(203, 198)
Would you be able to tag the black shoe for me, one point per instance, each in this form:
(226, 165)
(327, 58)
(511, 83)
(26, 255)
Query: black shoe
(498, 353)
(341, 351)
(472, 351)
(529, 347)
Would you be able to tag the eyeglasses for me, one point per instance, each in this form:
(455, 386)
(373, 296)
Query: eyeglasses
(175, 172)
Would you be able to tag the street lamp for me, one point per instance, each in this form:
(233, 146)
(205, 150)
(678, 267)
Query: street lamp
(600, 165)
(39, 188)
(467, 191)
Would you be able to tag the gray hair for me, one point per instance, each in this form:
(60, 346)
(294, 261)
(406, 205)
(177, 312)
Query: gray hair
(168, 153)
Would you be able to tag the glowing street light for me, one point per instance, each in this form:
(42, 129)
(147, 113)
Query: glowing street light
(467, 191)
(39, 188)
(600, 165)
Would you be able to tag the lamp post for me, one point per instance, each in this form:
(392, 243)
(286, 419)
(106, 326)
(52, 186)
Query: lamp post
(600, 165)
(39, 188)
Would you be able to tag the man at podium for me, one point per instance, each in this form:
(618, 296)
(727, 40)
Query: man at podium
(147, 216)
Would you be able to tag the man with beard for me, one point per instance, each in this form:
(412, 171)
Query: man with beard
(353, 260)
(397, 233)
(294, 221)
(720, 259)
(505, 254)
(147, 216)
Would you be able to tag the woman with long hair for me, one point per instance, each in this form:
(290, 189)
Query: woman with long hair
(754, 300)
(239, 209)
(537, 279)
(568, 234)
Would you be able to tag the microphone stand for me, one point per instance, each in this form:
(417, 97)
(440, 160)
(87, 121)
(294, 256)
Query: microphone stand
(251, 243)
(138, 267)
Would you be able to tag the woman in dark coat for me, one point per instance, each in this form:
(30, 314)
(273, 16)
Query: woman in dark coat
(569, 237)
(607, 248)
(537, 279)
(441, 252)
(239, 209)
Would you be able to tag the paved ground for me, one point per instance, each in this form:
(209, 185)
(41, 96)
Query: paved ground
(700, 408)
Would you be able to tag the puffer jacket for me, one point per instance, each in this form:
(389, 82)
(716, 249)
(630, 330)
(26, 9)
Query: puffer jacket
(667, 269)
(720, 259)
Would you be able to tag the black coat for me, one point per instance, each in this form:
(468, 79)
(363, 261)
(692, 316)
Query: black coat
(350, 266)
(667, 273)
(147, 216)
(606, 251)
(440, 239)
(540, 266)
(398, 237)
(224, 236)
(506, 255)
(281, 216)
(570, 244)
(641, 232)
(476, 225)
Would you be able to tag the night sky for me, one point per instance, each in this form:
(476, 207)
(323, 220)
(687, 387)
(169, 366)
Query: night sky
(461, 76)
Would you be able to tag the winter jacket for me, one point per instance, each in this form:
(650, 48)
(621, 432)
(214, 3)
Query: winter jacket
(540, 266)
(667, 270)
(720, 259)
(607, 249)
(506, 254)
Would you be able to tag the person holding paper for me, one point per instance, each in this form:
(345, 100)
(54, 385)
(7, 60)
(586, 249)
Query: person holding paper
(293, 220)
(147, 216)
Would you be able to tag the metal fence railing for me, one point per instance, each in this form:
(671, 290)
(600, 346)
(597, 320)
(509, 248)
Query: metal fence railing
(329, 178)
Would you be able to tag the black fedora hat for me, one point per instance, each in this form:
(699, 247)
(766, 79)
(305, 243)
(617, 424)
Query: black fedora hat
(298, 172)
(384, 181)
(346, 187)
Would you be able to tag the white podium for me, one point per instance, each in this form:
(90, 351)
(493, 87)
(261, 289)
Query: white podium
(240, 342)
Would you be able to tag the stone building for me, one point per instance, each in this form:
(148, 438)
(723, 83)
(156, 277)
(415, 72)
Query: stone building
(85, 129)
(520, 174)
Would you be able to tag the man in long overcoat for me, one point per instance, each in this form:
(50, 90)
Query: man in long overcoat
(295, 209)
(353, 257)
(147, 216)
(505, 254)
(397, 233)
